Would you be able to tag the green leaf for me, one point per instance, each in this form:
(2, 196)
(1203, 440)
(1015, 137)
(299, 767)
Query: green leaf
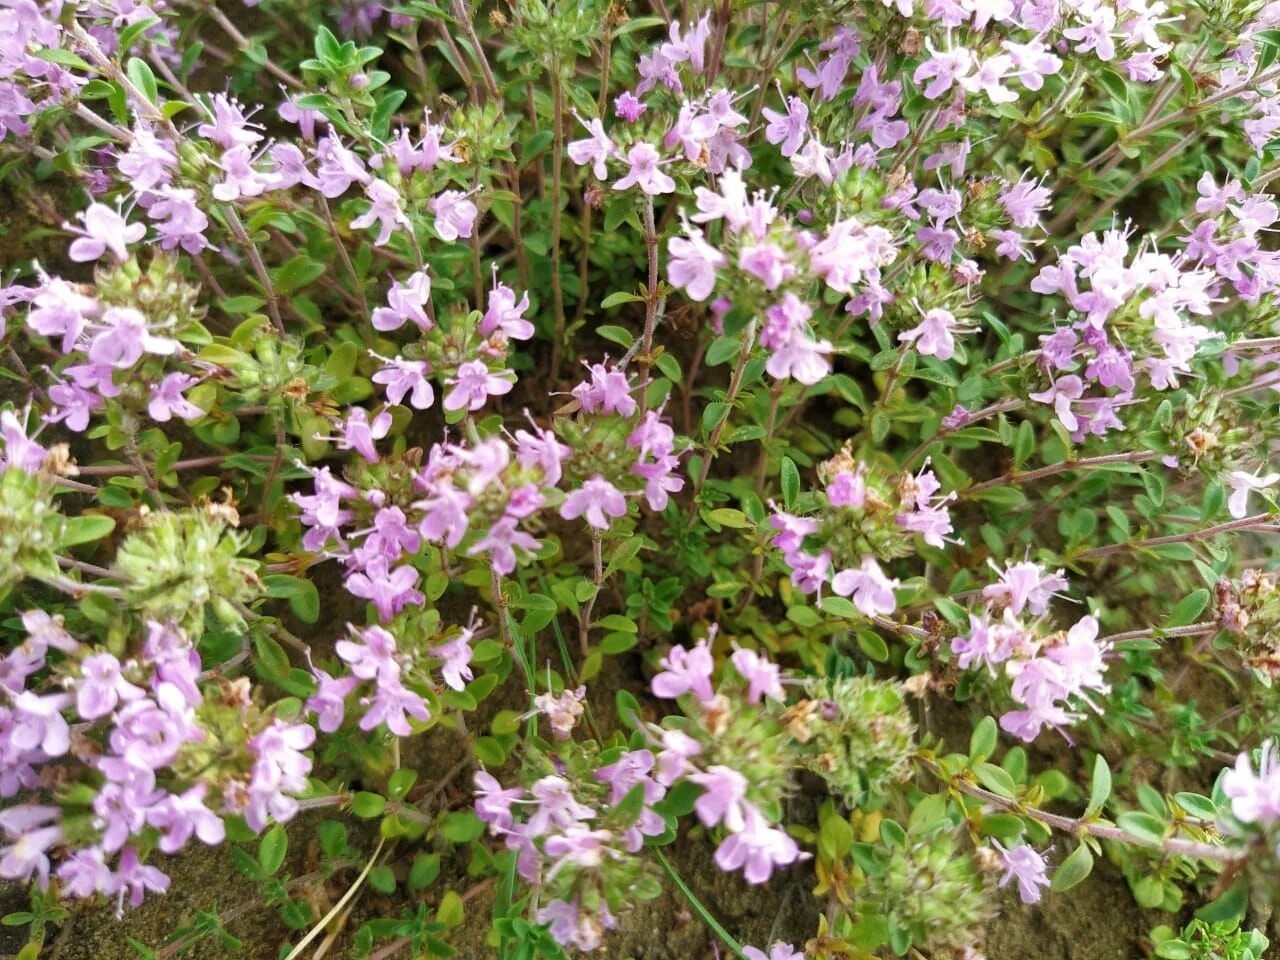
(401, 782)
(722, 350)
(1189, 608)
(425, 869)
(620, 297)
(1197, 806)
(85, 528)
(996, 779)
(789, 478)
(64, 58)
(461, 826)
(982, 742)
(449, 912)
(1073, 870)
(728, 517)
(272, 849)
(1100, 788)
(1142, 826)
(1229, 907)
(368, 805)
(619, 335)
(141, 76)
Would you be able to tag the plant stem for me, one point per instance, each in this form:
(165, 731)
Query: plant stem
(1259, 521)
(1103, 831)
(1085, 463)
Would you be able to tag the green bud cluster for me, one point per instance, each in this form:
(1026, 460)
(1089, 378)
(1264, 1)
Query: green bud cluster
(926, 890)
(860, 736)
(30, 527)
(179, 563)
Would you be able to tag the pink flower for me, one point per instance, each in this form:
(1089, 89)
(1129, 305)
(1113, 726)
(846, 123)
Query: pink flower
(474, 385)
(384, 210)
(943, 70)
(1255, 797)
(103, 229)
(403, 377)
(595, 149)
(757, 848)
(872, 591)
(763, 677)
(167, 400)
(933, 336)
(358, 433)
(644, 172)
(608, 391)
(102, 686)
(405, 301)
(455, 215)
(685, 671)
(779, 951)
(389, 590)
(722, 798)
(1024, 585)
(693, 264)
(628, 107)
(1242, 484)
(596, 498)
(1026, 865)
(505, 314)
(1061, 394)
(493, 803)
(790, 128)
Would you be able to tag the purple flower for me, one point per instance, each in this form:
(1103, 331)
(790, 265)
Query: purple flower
(390, 704)
(595, 149)
(685, 671)
(134, 878)
(102, 686)
(933, 336)
(608, 391)
(405, 302)
(388, 590)
(493, 803)
(505, 314)
(1024, 584)
(598, 499)
(628, 107)
(167, 400)
(757, 848)
(403, 377)
(872, 591)
(384, 210)
(103, 229)
(763, 677)
(1026, 865)
(643, 162)
(124, 337)
(38, 723)
(179, 816)
(474, 385)
(456, 654)
(779, 951)
(279, 769)
(693, 264)
(790, 128)
(722, 799)
(501, 542)
(1255, 797)
(358, 433)
(455, 215)
(329, 702)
